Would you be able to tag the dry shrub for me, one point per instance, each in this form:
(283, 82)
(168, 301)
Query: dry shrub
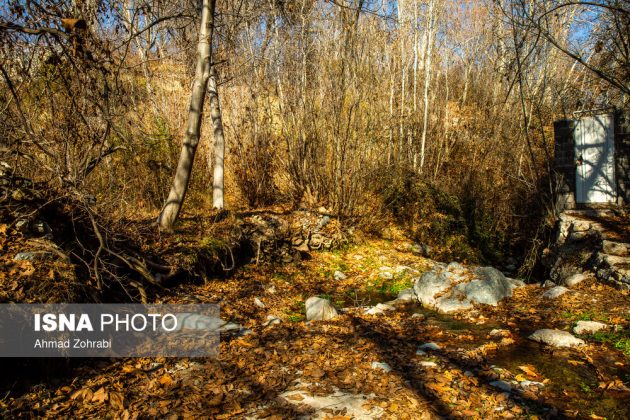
(254, 169)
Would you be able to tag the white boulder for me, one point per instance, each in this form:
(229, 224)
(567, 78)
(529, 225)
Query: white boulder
(319, 309)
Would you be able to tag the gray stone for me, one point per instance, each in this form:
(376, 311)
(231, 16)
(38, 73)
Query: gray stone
(272, 320)
(430, 346)
(428, 364)
(430, 284)
(31, 256)
(556, 338)
(319, 309)
(259, 303)
(243, 332)
(589, 327)
(406, 295)
(575, 279)
(338, 275)
(381, 366)
(613, 269)
(502, 385)
(548, 284)
(500, 333)
(380, 308)
(555, 292)
(567, 266)
(386, 275)
(527, 384)
(421, 352)
(490, 287)
(460, 288)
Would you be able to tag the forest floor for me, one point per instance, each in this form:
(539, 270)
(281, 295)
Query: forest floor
(359, 365)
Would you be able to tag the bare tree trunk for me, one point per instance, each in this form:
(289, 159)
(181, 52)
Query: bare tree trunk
(403, 76)
(427, 78)
(415, 56)
(390, 144)
(176, 196)
(219, 142)
(131, 11)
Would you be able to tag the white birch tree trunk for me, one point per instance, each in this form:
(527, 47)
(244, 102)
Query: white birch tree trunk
(219, 142)
(175, 199)
(415, 56)
(403, 77)
(427, 79)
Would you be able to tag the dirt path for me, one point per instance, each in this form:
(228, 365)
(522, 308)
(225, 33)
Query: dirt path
(358, 365)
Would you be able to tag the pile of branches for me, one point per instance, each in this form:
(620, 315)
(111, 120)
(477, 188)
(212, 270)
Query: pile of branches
(51, 226)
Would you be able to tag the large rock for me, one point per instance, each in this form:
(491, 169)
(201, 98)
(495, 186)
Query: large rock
(431, 284)
(589, 327)
(456, 288)
(319, 309)
(556, 338)
(490, 287)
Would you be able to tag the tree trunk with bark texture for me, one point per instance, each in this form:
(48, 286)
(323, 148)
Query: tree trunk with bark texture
(219, 142)
(176, 196)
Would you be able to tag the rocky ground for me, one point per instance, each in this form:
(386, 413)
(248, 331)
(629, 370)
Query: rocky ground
(394, 360)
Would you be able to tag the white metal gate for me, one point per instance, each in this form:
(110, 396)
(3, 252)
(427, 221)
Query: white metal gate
(594, 150)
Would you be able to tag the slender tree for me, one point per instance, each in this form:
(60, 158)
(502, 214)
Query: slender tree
(219, 142)
(175, 199)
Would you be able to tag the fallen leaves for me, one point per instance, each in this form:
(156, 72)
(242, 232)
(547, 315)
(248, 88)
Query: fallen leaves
(615, 385)
(252, 371)
(166, 380)
(314, 371)
(116, 400)
(84, 394)
(530, 371)
(100, 396)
